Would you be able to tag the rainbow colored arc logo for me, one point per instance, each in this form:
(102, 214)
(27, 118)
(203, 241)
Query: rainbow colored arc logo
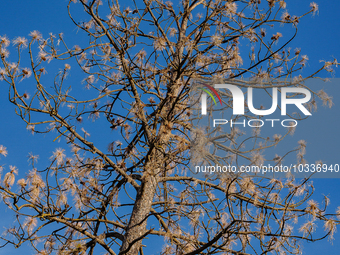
(210, 94)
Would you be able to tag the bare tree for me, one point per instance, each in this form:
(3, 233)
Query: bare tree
(138, 66)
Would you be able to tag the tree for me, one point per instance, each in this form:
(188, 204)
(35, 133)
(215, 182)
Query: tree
(138, 66)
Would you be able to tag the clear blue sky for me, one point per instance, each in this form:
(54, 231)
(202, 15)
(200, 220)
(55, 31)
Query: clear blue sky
(318, 37)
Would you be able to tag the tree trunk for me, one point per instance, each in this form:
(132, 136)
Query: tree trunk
(137, 225)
